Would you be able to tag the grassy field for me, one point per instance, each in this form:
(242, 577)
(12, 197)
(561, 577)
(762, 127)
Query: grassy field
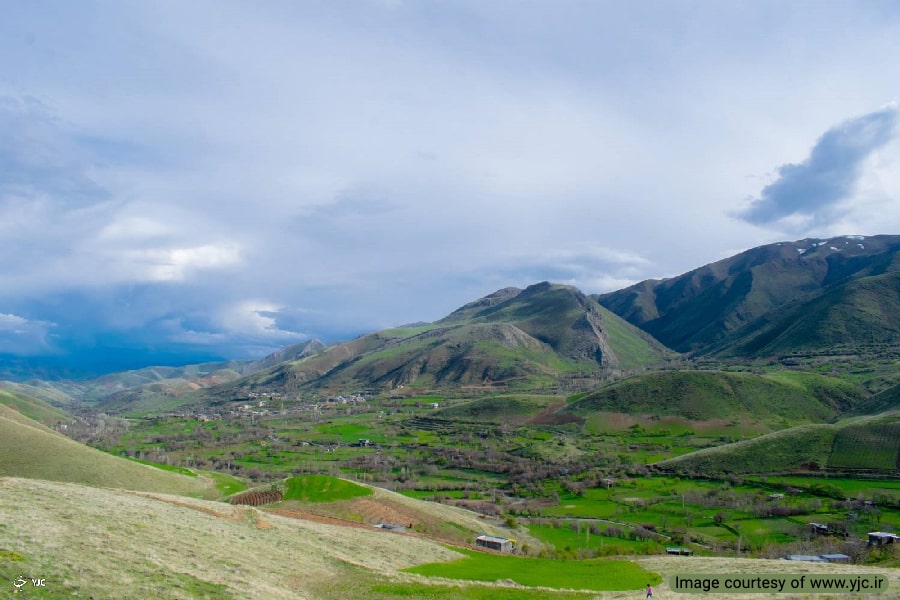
(322, 488)
(867, 446)
(572, 537)
(597, 575)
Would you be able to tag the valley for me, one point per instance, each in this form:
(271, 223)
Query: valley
(542, 415)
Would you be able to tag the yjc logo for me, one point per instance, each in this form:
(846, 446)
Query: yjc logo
(20, 582)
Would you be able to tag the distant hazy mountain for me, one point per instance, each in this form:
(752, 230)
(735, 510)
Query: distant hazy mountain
(812, 295)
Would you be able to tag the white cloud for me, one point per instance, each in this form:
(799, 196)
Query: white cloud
(390, 161)
(174, 264)
(22, 336)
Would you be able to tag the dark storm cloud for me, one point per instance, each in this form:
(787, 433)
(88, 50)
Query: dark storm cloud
(813, 187)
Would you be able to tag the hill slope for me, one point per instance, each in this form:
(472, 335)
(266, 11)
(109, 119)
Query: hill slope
(861, 316)
(33, 408)
(702, 395)
(29, 449)
(871, 444)
(704, 307)
(115, 544)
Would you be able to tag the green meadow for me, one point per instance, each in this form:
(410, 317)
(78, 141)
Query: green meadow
(597, 575)
(322, 488)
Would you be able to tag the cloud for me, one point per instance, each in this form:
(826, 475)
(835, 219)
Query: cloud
(175, 264)
(220, 178)
(806, 194)
(38, 156)
(24, 337)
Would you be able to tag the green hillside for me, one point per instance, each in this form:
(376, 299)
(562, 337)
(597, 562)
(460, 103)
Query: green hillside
(884, 401)
(862, 316)
(704, 307)
(871, 444)
(501, 408)
(779, 399)
(779, 452)
(30, 450)
(32, 408)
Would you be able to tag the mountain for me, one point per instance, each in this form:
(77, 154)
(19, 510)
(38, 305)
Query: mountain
(860, 316)
(725, 306)
(153, 388)
(519, 338)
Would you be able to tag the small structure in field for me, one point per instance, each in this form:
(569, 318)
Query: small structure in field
(495, 543)
(838, 558)
(819, 528)
(678, 551)
(806, 558)
(881, 538)
(776, 496)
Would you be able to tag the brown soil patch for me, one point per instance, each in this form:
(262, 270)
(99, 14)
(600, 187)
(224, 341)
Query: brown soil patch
(230, 515)
(373, 511)
(308, 516)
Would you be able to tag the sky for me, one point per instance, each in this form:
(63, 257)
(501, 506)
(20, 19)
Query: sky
(182, 181)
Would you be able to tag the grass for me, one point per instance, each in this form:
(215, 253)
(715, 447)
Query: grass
(867, 446)
(468, 592)
(30, 450)
(503, 408)
(105, 543)
(564, 538)
(322, 488)
(706, 395)
(171, 468)
(773, 453)
(32, 408)
(868, 488)
(226, 484)
(597, 575)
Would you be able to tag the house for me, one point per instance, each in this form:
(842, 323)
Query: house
(819, 528)
(776, 496)
(806, 558)
(495, 543)
(880, 538)
(838, 558)
(609, 482)
(677, 551)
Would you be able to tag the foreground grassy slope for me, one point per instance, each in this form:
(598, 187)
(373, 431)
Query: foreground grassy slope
(101, 543)
(779, 399)
(113, 544)
(28, 449)
(33, 408)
